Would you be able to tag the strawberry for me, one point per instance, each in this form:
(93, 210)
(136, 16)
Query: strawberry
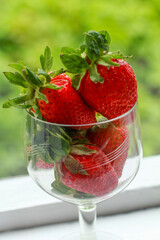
(43, 165)
(49, 96)
(104, 79)
(114, 142)
(116, 95)
(95, 175)
(65, 105)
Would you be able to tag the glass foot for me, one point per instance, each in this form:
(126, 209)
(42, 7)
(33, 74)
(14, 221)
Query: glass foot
(99, 236)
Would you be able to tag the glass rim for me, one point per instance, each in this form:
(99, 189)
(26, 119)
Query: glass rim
(87, 124)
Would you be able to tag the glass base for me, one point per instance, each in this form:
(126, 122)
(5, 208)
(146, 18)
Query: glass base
(99, 236)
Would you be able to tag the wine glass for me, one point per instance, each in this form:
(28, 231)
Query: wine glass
(84, 164)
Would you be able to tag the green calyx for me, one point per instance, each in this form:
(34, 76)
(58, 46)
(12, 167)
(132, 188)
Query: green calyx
(32, 83)
(54, 144)
(94, 50)
(74, 166)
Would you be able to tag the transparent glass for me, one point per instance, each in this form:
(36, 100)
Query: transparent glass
(84, 164)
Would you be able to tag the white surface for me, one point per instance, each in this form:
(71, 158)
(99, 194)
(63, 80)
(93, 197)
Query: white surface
(138, 225)
(24, 204)
(22, 192)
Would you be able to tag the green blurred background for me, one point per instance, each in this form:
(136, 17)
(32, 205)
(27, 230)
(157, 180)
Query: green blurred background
(26, 27)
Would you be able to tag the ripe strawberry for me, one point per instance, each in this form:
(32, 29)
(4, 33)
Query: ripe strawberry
(95, 176)
(114, 142)
(116, 95)
(65, 105)
(105, 81)
(49, 95)
(44, 165)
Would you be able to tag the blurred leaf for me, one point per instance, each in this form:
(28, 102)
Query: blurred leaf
(17, 66)
(41, 24)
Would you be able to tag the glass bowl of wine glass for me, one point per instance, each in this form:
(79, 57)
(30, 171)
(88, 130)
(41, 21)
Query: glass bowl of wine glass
(84, 164)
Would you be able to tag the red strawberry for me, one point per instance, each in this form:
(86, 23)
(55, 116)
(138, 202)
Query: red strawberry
(44, 165)
(55, 99)
(114, 142)
(116, 95)
(105, 81)
(65, 105)
(96, 175)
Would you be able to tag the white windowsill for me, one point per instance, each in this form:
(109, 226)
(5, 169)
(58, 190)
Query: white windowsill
(137, 225)
(23, 204)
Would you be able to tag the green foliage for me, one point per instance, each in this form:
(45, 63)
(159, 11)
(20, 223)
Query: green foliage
(46, 59)
(74, 63)
(26, 27)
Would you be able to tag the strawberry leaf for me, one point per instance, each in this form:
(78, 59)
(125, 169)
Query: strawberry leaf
(107, 39)
(60, 187)
(53, 156)
(80, 141)
(82, 47)
(59, 144)
(74, 166)
(45, 156)
(82, 195)
(43, 73)
(16, 78)
(37, 112)
(46, 59)
(100, 40)
(59, 130)
(49, 143)
(15, 102)
(23, 106)
(100, 117)
(94, 75)
(92, 48)
(81, 149)
(76, 80)
(106, 61)
(56, 72)
(96, 44)
(41, 96)
(76, 133)
(52, 86)
(74, 63)
(16, 66)
(118, 55)
(68, 50)
(64, 134)
(31, 78)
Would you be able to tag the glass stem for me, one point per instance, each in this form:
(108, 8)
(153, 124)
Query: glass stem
(87, 220)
